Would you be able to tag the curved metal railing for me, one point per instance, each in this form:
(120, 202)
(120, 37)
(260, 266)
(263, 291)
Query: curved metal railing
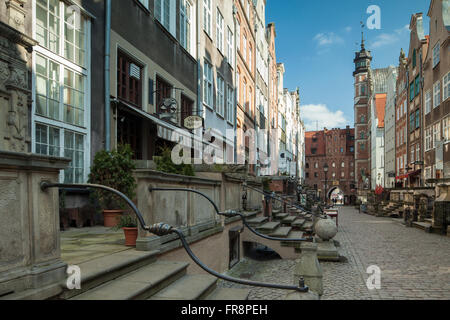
(162, 229)
(231, 214)
(281, 199)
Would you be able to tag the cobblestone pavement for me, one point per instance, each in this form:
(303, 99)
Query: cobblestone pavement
(414, 264)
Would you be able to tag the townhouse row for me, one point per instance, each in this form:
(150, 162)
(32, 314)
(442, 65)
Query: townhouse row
(402, 113)
(149, 73)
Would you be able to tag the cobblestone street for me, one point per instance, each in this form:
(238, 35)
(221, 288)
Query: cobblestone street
(414, 264)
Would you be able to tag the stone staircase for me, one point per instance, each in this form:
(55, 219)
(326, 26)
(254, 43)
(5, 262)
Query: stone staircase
(391, 210)
(293, 225)
(135, 275)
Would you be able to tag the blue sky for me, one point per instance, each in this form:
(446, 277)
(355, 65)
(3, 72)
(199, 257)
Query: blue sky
(317, 40)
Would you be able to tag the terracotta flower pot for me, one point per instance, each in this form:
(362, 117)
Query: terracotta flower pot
(131, 235)
(111, 217)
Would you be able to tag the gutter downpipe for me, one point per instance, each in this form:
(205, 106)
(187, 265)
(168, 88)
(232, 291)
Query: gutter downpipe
(107, 75)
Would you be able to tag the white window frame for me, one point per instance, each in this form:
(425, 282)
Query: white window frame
(219, 31)
(436, 94)
(207, 16)
(208, 98)
(144, 3)
(446, 85)
(185, 24)
(170, 24)
(230, 104)
(446, 128)
(220, 105)
(230, 47)
(238, 34)
(427, 103)
(436, 54)
(244, 52)
(436, 134)
(64, 63)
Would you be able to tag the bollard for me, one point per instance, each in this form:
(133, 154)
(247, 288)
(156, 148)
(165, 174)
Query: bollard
(295, 295)
(308, 267)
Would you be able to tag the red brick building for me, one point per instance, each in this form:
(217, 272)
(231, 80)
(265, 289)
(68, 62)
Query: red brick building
(336, 148)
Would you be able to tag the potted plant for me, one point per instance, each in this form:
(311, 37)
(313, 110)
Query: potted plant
(128, 224)
(113, 169)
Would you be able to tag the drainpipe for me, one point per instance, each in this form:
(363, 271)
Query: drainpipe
(107, 75)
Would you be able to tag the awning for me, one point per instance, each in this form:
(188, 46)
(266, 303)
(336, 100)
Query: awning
(409, 174)
(165, 130)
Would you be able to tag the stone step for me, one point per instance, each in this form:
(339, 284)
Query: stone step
(189, 287)
(138, 285)
(268, 227)
(281, 216)
(101, 270)
(228, 294)
(298, 223)
(276, 211)
(308, 225)
(257, 221)
(427, 227)
(281, 232)
(289, 220)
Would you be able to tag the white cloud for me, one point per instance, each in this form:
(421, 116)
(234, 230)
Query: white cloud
(348, 29)
(325, 39)
(318, 115)
(386, 39)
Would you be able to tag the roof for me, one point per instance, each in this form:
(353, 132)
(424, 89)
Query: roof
(379, 77)
(380, 102)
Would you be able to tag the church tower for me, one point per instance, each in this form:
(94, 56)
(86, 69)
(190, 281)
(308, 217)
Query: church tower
(362, 62)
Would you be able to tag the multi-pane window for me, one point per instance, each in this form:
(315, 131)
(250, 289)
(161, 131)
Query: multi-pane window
(413, 150)
(74, 37)
(417, 86)
(185, 24)
(219, 31)
(47, 87)
(61, 70)
(129, 83)
(73, 98)
(220, 108)
(436, 54)
(418, 152)
(48, 24)
(230, 104)
(208, 85)
(417, 119)
(437, 94)
(207, 16)
(74, 149)
(428, 102)
(446, 127)
(230, 47)
(238, 87)
(162, 12)
(250, 56)
(446, 83)
(436, 134)
(412, 122)
(411, 91)
(186, 108)
(47, 140)
(428, 139)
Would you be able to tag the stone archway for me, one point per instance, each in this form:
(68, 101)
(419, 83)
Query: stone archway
(336, 193)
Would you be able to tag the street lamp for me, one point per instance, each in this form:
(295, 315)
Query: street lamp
(325, 170)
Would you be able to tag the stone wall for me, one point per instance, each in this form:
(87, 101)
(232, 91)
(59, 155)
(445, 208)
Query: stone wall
(29, 232)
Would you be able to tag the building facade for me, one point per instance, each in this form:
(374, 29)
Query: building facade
(389, 129)
(336, 149)
(436, 111)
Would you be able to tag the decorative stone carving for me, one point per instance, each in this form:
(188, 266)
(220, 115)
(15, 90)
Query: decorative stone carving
(16, 14)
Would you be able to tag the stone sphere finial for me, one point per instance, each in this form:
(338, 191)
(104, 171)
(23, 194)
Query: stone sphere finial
(326, 229)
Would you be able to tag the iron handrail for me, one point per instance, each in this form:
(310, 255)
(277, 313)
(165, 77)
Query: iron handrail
(232, 214)
(162, 229)
(280, 199)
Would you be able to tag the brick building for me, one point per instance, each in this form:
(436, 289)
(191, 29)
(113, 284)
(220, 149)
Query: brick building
(336, 148)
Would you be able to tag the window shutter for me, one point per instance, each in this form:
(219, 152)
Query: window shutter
(135, 71)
